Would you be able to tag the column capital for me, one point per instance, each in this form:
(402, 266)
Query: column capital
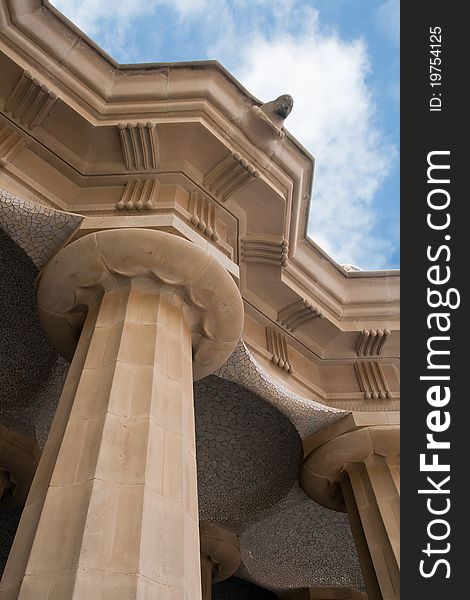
(78, 275)
(221, 547)
(324, 467)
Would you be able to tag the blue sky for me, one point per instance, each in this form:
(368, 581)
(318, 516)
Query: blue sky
(339, 59)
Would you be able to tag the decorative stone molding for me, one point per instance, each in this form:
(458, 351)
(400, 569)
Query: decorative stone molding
(296, 314)
(30, 102)
(220, 555)
(371, 342)
(139, 195)
(139, 142)
(11, 144)
(102, 260)
(203, 215)
(230, 175)
(372, 380)
(262, 250)
(277, 345)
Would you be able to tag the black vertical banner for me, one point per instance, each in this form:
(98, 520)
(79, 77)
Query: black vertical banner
(435, 269)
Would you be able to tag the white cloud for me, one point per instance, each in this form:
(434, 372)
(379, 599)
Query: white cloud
(280, 47)
(388, 20)
(334, 117)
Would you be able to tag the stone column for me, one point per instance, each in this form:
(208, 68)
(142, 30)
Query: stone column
(112, 511)
(220, 555)
(360, 470)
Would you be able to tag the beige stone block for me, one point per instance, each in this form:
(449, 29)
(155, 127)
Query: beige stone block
(123, 455)
(131, 390)
(62, 522)
(36, 586)
(360, 492)
(394, 417)
(188, 422)
(382, 482)
(172, 593)
(192, 567)
(167, 404)
(138, 344)
(113, 307)
(111, 539)
(190, 489)
(173, 466)
(62, 585)
(366, 419)
(95, 355)
(122, 389)
(173, 318)
(11, 592)
(147, 589)
(162, 540)
(134, 304)
(98, 534)
(79, 452)
(142, 393)
(383, 575)
(155, 453)
(173, 357)
(161, 350)
(92, 394)
(113, 343)
(390, 514)
(99, 585)
(151, 309)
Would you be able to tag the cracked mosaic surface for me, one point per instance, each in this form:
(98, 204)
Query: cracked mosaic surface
(39, 230)
(26, 356)
(248, 453)
(299, 543)
(307, 415)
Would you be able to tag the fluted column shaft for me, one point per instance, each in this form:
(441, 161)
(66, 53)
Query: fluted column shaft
(120, 512)
(112, 512)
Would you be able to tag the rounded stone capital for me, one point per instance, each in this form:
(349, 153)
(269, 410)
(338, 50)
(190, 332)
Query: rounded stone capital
(79, 274)
(222, 549)
(323, 468)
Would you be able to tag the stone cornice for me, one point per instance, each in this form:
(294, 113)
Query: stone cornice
(161, 103)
